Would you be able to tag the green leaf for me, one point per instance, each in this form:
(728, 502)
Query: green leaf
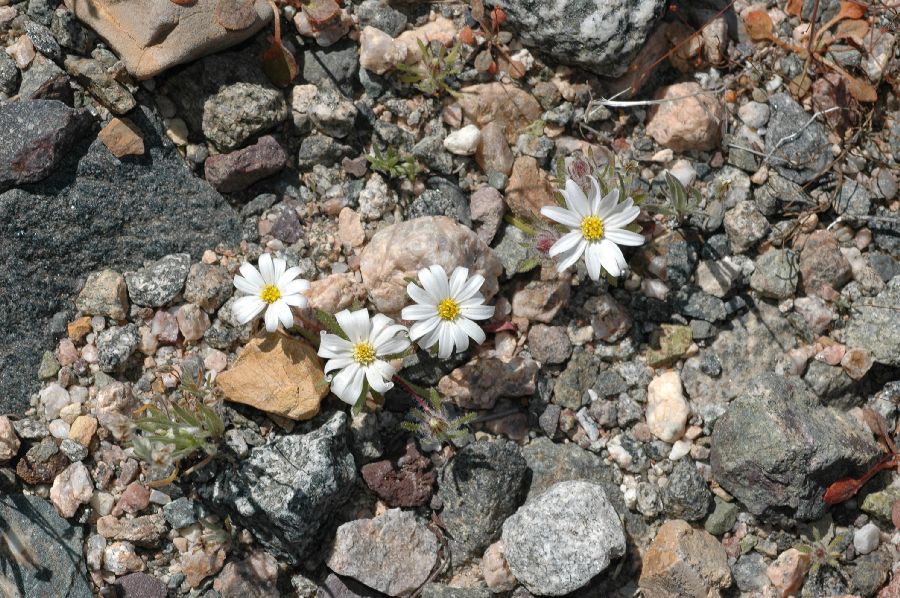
(330, 323)
(528, 265)
(361, 401)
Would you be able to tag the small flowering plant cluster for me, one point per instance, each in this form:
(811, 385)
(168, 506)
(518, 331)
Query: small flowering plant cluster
(358, 347)
(595, 219)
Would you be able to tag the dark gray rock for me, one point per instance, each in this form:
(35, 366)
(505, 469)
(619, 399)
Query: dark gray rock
(693, 302)
(180, 513)
(286, 491)
(602, 37)
(875, 327)
(320, 149)
(34, 136)
(479, 489)
(442, 198)
(159, 282)
(9, 75)
(551, 463)
(686, 496)
(43, 40)
(337, 63)
(776, 449)
(71, 34)
(95, 211)
(53, 564)
(140, 585)
(803, 156)
(228, 98)
(853, 200)
(573, 383)
(776, 275)
(778, 194)
(870, 572)
(381, 15)
(40, 74)
(749, 572)
(101, 84)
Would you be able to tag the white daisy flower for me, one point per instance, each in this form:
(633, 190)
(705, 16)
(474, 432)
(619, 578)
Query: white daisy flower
(361, 358)
(446, 308)
(597, 229)
(273, 288)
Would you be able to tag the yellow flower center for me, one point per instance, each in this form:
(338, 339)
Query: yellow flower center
(448, 309)
(270, 294)
(364, 353)
(592, 228)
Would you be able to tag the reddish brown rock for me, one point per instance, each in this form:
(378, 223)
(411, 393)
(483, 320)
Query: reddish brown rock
(479, 383)
(404, 482)
(684, 562)
(822, 263)
(135, 499)
(529, 188)
(240, 169)
(254, 577)
(493, 153)
(512, 108)
(146, 530)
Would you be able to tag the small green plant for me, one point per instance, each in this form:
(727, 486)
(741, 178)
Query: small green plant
(392, 164)
(824, 547)
(432, 74)
(432, 421)
(178, 428)
(680, 203)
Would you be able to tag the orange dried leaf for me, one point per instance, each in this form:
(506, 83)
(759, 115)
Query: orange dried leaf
(759, 25)
(516, 69)
(467, 36)
(855, 30)
(279, 64)
(851, 10)
(859, 89)
(184, 2)
(794, 7)
(841, 490)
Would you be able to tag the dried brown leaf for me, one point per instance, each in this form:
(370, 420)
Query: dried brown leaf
(855, 30)
(851, 10)
(279, 64)
(859, 89)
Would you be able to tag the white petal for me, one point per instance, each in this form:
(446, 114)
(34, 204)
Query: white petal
(389, 334)
(562, 215)
(608, 204)
(566, 243)
(383, 368)
(283, 311)
(420, 329)
(458, 280)
(478, 312)
(253, 276)
(569, 259)
(576, 199)
(271, 318)
(287, 276)
(460, 338)
(379, 323)
(432, 337)
(623, 218)
(376, 380)
(596, 196)
(592, 261)
(471, 287)
(445, 342)
(245, 286)
(611, 257)
(294, 287)
(419, 295)
(338, 363)
(295, 300)
(397, 344)
(418, 312)
(267, 268)
(247, 308)
(434, 279)
(355, 324)
(341, 384)
(624, 237)
(354, 391)
(280, 267)
(472, 329)
(331, 345)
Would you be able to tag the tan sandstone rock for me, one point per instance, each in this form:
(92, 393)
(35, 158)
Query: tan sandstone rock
(684, 562)
(151, 36)
(276, 374)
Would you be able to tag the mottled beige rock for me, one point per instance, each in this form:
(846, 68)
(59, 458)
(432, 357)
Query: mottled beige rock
(350, 228)
(690, 119)
(512, 108)
(667, 409)
(378, 52)
(151, 36)
(479, 383)
(276, 374)
(335, 293)
(440, 30)
(399, 251)
(71, 489)
(9, 441)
